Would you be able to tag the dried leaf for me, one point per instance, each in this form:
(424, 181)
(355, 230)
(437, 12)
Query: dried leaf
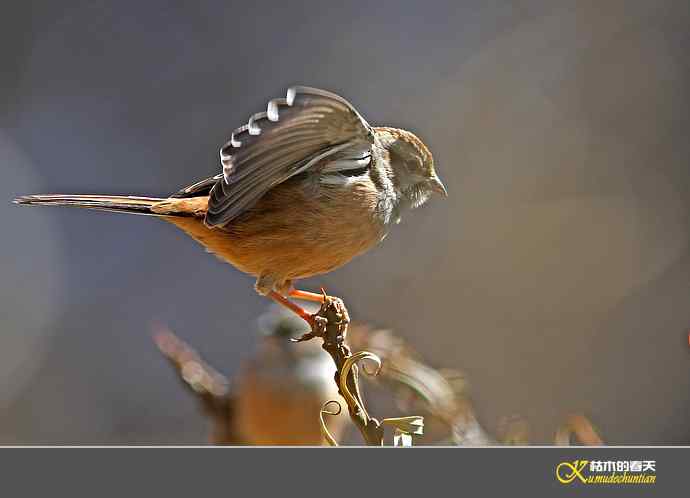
(402, 439)
(411, 425)
(405, 427)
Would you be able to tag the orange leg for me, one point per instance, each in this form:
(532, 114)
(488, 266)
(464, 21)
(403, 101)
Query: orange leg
(308, 296)
(298, 310)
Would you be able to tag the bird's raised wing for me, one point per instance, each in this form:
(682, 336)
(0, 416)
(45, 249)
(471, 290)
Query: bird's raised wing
(294, 134)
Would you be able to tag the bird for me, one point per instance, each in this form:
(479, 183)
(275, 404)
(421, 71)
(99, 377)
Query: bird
(280, 388)
(304, 187)
(273, 396)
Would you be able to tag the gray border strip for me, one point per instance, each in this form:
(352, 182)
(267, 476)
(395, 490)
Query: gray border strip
(199, 471)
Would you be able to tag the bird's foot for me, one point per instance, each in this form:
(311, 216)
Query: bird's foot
(298, 310)
(310, 296)
(318, 329)
(332, 312)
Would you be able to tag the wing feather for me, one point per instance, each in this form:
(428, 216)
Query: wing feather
(294, 134)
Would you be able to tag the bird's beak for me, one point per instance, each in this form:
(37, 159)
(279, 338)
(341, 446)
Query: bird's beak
(438, 186)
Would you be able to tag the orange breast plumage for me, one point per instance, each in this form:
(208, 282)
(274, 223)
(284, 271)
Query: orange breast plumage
(296, 230)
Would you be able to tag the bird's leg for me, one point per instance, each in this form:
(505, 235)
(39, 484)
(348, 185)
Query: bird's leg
(309, 296)
(298, 310)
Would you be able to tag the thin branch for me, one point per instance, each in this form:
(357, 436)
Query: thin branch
(208, 386)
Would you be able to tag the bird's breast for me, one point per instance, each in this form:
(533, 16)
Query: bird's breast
(299, 229)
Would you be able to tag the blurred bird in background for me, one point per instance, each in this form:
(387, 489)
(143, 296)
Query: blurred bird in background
(306, 186)
(283, 387)
(275, 398)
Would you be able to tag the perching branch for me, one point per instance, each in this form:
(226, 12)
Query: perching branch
(330, 324)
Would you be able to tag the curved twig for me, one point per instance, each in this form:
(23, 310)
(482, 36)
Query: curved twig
(345, 372)
(324, 428)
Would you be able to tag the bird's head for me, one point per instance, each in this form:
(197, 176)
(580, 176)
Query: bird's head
(412, 166)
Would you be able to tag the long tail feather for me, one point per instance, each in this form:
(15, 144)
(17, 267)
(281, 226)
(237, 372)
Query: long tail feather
(150, 206)
(115, 203)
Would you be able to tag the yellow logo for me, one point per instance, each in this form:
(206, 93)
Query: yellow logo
(566, 472)
(607, 472)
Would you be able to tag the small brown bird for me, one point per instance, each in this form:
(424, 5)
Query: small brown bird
(305, 187)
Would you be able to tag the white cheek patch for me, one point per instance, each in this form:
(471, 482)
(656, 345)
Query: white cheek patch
(346, 164)
(340, 180)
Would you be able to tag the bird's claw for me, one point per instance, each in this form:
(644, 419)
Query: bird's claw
(318, 329)
(303, 337)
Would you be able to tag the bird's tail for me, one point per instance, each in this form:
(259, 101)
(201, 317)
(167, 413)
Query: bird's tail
(151, 206)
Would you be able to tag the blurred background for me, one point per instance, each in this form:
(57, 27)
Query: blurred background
(556, 275)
